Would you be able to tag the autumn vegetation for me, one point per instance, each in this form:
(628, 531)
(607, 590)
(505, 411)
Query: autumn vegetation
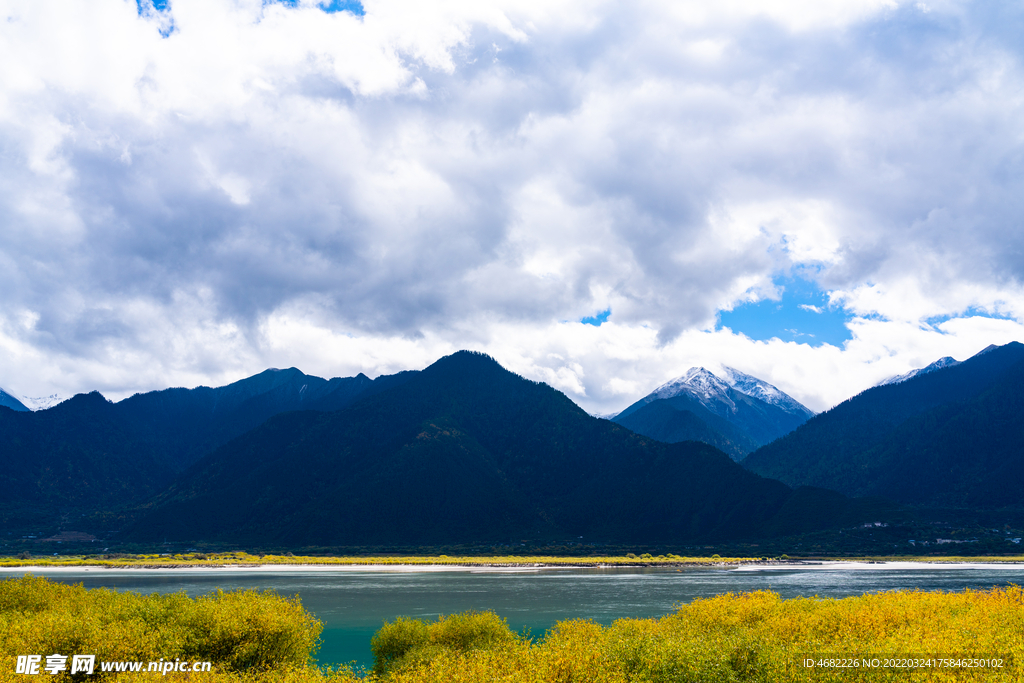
(242, 558)
(747, 637)
(252, 637)
(240, 631)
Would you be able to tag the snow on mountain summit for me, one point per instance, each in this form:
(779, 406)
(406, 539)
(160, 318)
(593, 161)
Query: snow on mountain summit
(713, 392)
(735, 413)
(944, 362)
(697, 382)
(769, 393)
(42, 402)
(27, 403)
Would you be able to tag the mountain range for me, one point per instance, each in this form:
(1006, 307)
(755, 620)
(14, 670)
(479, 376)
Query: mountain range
(87, 454)
(468, 450)
(465, 451)
(461, 451)
(736, 413)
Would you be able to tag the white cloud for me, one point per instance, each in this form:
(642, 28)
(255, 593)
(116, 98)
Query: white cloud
(274, 186)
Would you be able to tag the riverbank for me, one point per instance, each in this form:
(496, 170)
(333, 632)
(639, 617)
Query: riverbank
(245, 561)
(241, 560)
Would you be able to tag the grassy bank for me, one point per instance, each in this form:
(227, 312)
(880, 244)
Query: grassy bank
(229, 559)
(255, 637)
(245, 559)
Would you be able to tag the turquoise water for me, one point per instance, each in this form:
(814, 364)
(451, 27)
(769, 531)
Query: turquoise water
(353, 604)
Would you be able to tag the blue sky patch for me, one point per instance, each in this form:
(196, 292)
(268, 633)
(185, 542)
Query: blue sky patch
(599, 319)
(329, 6)
(145, 7)
(971, 312)
(353, 6)
(158, 5)
(801, 315)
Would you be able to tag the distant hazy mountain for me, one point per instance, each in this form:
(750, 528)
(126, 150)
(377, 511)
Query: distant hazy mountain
(950, 437)
(944, 362)
(42, 402)
(466, 451)
(23, 403)
(737, 413)
(7, 400)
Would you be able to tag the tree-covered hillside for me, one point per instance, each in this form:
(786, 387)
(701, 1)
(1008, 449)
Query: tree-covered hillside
(952, 438)
(681, 418)
(466, 451)
(88, 456)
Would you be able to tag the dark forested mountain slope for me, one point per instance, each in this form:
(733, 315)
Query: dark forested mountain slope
(88, 454)
(466, 451)
(967, 454)
(192, 422)
(681, 418)
(77, 455)
(950, 437)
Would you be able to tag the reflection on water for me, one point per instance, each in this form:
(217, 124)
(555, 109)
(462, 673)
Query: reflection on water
(353, 604)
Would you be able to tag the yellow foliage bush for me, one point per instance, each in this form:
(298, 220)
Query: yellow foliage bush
(757, 637)
(242, 631)
(406, 642)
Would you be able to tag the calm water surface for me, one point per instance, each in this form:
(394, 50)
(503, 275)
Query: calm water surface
(353, 604)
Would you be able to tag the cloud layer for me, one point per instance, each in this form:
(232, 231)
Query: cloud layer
(192, 195)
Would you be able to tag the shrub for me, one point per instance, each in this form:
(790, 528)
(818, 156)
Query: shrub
(750, 637)
(236, 631)
(406, 642)
(395, 640)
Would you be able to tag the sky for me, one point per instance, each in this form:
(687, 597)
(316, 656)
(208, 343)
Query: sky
(599, 194)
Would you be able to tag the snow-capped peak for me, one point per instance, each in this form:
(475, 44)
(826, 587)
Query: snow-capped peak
(713, 392)
(701, 385)
(695, 380)
(42, 402)
(758, 388)
(944, 362)
(18, 402)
